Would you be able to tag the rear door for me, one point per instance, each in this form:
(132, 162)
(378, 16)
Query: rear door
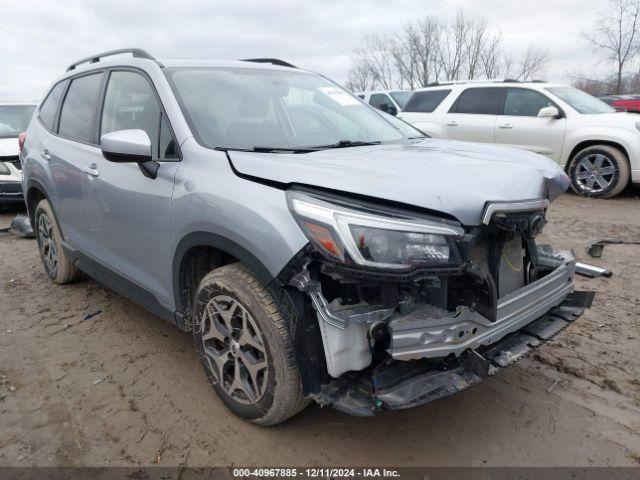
(68, 153)
(472, 117)
(131, 212)
(520, 126)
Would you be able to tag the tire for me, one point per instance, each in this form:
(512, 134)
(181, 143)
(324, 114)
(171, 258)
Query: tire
(54, 259)
(586, 167)
(247, 354)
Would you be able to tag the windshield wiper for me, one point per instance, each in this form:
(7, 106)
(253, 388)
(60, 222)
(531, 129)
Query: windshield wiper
(346, 143)
(269, 149)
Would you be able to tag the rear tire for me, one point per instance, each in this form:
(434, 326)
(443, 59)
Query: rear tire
(599, 171)
(245, 346)
(54, 259)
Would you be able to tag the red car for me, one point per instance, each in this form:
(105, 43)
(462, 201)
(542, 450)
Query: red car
(623, 103)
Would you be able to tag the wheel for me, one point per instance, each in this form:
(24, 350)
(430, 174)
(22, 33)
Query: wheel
(599, 171)
(55, 260)
(245, 346)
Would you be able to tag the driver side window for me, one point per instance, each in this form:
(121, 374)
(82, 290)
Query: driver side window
(130, 103)
(522, 102)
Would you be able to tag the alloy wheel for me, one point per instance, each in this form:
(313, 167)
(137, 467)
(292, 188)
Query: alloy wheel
(235, 349)
(595, 173)
(47, 245)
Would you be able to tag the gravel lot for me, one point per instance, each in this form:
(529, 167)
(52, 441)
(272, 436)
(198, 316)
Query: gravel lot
(125, 388)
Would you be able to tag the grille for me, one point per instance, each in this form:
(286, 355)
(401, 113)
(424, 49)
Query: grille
(13, 159)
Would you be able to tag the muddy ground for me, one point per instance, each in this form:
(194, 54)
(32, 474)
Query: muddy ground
(125, 388)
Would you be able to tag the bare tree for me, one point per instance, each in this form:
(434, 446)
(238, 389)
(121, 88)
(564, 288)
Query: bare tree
(360, 78)
(616, 35)
(532, 63)
(475, 44)
(451, 46)
(438, 48)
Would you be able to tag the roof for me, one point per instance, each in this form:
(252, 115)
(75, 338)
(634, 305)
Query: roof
(490, 83)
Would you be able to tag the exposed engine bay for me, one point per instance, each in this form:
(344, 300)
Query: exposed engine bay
(397, 339)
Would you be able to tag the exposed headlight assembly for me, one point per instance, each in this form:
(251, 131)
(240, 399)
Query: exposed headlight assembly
(374, 240)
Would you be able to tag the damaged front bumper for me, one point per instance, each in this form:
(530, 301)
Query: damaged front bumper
(433, 332)
(433, 352)
(398, 385)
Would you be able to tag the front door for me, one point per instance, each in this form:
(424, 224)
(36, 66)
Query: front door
(132, 213)
(521, 127)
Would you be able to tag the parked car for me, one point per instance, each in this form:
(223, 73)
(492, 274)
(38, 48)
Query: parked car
(622, 103)
(313, 249)
(598, 148)
(14, 118)
(389, 101)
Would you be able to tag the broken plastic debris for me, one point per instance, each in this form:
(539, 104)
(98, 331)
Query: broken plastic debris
(93, 314)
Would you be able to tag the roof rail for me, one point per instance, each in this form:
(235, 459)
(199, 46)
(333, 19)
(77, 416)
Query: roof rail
(272, 61)
(510, 80)
(538, 81)
(136, 52)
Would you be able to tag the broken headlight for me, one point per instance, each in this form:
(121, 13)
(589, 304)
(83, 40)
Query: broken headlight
(372, 239)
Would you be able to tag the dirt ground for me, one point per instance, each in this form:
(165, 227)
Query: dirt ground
(124, 388)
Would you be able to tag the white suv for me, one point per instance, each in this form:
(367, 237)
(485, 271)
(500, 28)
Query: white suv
(599, 147)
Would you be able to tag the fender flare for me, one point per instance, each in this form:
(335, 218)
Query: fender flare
(208, 239)
(35, 184)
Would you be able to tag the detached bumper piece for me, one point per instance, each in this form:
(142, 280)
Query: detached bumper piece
(398, 385)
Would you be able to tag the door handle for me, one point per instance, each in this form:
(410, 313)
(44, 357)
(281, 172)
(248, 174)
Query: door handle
(91, 170)
(45, 154)
(452, 124)
(505, 125)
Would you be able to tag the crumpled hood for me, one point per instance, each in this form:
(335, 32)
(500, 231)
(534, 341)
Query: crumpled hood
(456, 178)
(9, 147)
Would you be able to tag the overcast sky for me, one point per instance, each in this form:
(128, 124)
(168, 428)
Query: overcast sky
(40, 38)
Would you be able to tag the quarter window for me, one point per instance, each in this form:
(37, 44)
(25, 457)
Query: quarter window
(426, 101)
(487, 101)
(130, 103)
(50, 105)
(525, 103)
(76, 118)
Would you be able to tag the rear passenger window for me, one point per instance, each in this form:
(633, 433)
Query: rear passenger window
(427, 101)
(76, 117)
(50, 105)
(487, 101)
(130, 103)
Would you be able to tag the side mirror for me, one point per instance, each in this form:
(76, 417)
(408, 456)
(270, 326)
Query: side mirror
(549, 112)
(126, 146)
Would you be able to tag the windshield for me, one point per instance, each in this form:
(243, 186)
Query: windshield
(581, 101)
(14, 119)
(401, 98)
(256, 108)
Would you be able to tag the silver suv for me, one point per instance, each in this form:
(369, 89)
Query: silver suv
(316, 250)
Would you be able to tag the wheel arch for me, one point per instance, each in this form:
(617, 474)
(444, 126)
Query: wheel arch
(592, 143)
(196, 255)
(34, 194)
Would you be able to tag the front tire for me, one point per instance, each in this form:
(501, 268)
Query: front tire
(245, 346)
(54, 259)
(599, 171)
